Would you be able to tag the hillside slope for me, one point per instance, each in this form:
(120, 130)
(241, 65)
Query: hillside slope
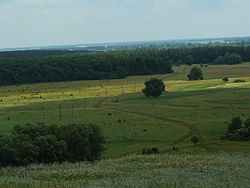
(167, 170)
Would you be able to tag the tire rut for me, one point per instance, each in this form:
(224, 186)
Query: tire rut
(193, 130)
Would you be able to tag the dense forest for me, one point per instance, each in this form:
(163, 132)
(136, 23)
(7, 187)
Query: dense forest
(50, 66)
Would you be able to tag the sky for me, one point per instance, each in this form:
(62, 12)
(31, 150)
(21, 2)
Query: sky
(25, 23)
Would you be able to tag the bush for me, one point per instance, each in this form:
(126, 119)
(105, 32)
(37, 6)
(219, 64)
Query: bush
(41, 143)
(195, 74)
(239, 81)
(236, 123)
(239, 134)
(247, 123)
(236, 131)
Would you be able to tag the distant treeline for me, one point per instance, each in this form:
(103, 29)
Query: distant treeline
(18, 68)
(33, 53)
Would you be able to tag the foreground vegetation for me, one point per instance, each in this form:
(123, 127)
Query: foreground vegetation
(48, 144)
(167, 170)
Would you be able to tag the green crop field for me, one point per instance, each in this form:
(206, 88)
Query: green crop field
(131, 122)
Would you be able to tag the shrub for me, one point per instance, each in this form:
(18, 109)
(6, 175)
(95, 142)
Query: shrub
(236, 131)
(236, 123)
(239, 134)
(41, 143)
(195, 74)
(247, 123)
(239, 81)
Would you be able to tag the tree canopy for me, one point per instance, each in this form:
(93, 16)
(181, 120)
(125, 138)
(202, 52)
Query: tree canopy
(228, 59)
(247, 123)
(154, 87)
(40, 143)
(188, 60)
(237, 130)
(195, 74)
(51, 66)
(225, 79)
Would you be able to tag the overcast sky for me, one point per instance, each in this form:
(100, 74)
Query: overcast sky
(26, 23)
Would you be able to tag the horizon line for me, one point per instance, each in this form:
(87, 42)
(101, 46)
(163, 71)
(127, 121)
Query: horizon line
(89, 44)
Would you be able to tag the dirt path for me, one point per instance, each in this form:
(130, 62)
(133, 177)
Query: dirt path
(193, 131)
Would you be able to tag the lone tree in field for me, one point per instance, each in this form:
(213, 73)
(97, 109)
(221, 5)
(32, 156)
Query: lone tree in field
(225, 79)
(154, 88)
(195, 74)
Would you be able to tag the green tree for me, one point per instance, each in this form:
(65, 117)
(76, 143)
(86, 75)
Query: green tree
(188, 60)
(195, 74)
(154, 88)
(7, 152)
(41, 143)
(50, 149)
(236, 123)
(84, 142)
(225, 79)
(228, 59)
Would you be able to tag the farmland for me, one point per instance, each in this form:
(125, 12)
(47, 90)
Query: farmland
(131, 122)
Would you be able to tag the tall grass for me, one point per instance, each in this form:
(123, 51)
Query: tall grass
(167, 170)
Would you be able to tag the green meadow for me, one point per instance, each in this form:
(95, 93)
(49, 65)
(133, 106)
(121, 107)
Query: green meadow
(132, 122)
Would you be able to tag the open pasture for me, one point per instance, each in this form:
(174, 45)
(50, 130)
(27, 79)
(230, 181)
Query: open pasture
(12, 96)
(132, 122)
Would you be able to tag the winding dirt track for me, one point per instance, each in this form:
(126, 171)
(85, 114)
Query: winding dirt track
(193, 131)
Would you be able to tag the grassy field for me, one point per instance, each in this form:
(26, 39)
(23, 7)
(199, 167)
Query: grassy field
(167, 170)
(132, 122)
